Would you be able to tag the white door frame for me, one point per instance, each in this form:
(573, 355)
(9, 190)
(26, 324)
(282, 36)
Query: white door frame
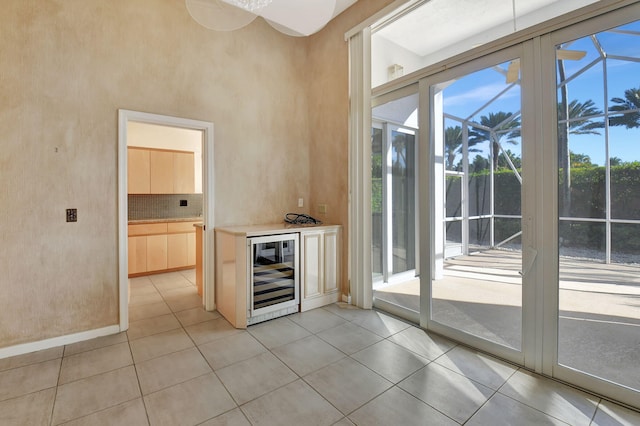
(124, 117)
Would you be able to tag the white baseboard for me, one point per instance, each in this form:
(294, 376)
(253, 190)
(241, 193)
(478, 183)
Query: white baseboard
(57, 341)
(316, 302)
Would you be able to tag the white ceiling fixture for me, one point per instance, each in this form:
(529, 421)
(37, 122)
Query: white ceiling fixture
(250, 5)
(292, 17)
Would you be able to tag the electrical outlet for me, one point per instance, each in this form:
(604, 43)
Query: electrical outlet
(72, 215)
(300, 202)
(322, 208)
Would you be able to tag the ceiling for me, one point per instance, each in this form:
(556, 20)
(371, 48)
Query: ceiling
(292, 17)
(441, 23)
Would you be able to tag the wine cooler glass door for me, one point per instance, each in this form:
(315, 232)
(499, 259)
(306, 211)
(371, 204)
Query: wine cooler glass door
(274, 273)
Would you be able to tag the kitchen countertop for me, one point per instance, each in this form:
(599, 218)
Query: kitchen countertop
(274, 228)
(165, 220)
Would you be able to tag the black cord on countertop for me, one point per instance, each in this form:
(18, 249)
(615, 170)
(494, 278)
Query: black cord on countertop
(301, 219)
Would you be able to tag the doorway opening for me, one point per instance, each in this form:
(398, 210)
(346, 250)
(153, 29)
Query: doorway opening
(137, 120)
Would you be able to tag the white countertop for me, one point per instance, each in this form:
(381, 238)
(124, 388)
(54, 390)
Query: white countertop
(270, 229)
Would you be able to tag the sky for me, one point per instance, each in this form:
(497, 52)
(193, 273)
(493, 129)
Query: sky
(464, 96)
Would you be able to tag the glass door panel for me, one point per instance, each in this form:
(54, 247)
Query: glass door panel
(454, 175)
(393, 203)
(598, 208)
(377, 203)
(403, 202)
(476, 285)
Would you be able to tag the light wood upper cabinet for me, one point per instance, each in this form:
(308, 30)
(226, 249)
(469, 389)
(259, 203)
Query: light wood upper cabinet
(183, 173)
(153, 171)
(161, 171)
(138, 177)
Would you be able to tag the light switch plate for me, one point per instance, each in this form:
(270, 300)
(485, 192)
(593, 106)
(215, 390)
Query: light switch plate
(72, 215)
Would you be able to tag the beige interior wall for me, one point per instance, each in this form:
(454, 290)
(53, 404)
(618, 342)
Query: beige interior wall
(329, 118)
(66, 68)
(279, 105)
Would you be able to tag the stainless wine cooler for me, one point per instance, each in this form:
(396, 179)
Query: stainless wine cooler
(274, 277)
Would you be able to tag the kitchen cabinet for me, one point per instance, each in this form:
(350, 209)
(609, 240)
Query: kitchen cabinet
(181, 244)
(161, 172)
(319, 268)
(183, 173)
(153, 171)
(231, 277)
(138, 177)
(161, 246)
(137, 254)
(191, 248)
(176, 250)
(156, 252)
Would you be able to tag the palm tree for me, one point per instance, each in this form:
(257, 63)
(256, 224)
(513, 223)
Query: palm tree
(580, 160)
(501, 124)
(631, 102)
(452, 144)
(582, 110)
(568, 112)
(615, 161)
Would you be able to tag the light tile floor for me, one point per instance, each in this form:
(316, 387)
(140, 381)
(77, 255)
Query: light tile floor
(180, 365)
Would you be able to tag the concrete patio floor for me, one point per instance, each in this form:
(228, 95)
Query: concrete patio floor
(599, 318)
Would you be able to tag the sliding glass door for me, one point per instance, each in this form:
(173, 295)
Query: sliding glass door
(598, 286)
(475, 185)
(528, 189)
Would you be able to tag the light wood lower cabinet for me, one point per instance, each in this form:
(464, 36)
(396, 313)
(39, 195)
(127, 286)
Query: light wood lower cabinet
(156, 252)
(157, 247)
(191, 248)
(137, 254)
(319, 267)
(176, 250)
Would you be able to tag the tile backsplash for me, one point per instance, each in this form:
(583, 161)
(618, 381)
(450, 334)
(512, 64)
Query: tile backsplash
(164, 206)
